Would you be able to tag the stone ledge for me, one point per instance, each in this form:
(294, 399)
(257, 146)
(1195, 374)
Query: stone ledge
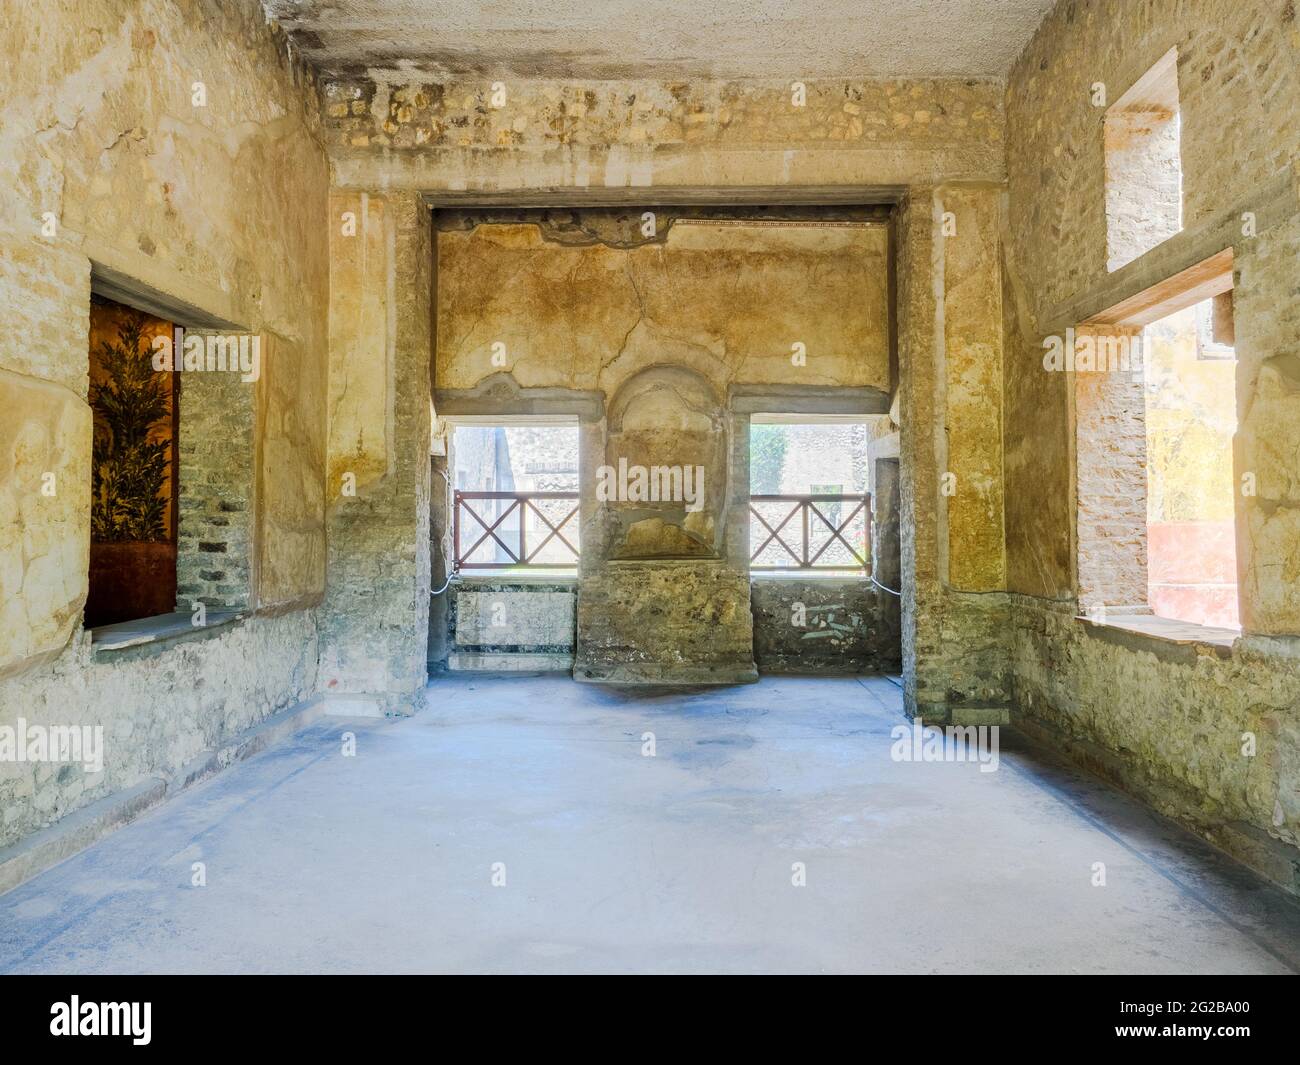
(564, 581)
(48, 846)
(174, 627)
(1164, 637)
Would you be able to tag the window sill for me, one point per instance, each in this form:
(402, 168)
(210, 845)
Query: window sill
(1166, 630)
(478, 579)
(809, 574)
(161, 629)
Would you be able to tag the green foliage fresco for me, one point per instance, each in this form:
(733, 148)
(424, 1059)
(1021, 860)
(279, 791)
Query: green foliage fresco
(129, 470)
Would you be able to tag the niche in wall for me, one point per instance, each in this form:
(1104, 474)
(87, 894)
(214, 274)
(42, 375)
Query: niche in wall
(666, 449)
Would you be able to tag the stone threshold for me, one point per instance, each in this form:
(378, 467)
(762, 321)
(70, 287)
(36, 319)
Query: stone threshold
(176, 625)
(46, 847)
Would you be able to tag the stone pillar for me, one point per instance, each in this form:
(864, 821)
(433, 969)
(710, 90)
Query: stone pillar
(1268, 434)
(955, 608)
(375, 617)
(918, 431)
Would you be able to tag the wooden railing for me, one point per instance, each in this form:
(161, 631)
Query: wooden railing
(813, 524)
(470, 524)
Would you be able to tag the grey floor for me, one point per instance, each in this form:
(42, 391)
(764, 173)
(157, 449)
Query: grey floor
(618, 862)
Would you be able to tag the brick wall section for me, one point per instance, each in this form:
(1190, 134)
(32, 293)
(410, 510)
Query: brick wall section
(214, 544)
(1237, 89)
(1111, 482)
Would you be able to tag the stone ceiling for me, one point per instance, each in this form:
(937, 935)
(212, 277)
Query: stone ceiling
(663, 39)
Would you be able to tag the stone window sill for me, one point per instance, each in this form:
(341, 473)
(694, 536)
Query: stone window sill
(471, 579)
(808, 574)
(1166, 630)
(161, 629)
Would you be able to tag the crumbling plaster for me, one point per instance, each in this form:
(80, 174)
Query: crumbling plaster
(663, 326)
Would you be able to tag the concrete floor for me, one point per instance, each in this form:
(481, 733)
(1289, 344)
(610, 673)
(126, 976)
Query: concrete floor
(617, 862)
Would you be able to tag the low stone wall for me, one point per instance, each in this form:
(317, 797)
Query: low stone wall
(824, 625)
(161, 705)
(510, 625)
(1207, 735)
(625, 636)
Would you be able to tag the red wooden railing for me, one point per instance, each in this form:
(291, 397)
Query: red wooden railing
(485, 526)
(807, 508)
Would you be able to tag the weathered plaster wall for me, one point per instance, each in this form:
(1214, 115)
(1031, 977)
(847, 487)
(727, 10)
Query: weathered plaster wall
(1191, 415)
(1165, 719)
(727, 298)
(662, 326)
(375, 621)
(700, 142)
(1238, 87)
(217, 210)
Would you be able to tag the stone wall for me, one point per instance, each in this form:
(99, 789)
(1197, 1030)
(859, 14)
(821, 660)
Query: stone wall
(1206, 734)
(955, 664)
(386, 130)
(215, 504)
(701, 142)
(660, 316)
(1166, 719)
(162, 708)
(171, 153)
(824, 626)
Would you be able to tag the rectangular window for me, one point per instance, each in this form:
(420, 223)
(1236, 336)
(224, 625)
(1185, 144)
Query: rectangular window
(515, 495)
(810, 507)
(1191, 416)
(172, 471)
(1156, 414)
(1144, 174)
